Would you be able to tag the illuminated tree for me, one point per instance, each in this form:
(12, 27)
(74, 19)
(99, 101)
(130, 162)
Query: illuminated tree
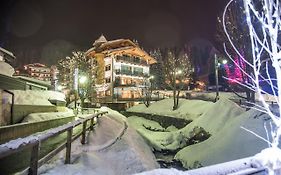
(67, 67)
(264, 24)
(238, 32)
(177, 70)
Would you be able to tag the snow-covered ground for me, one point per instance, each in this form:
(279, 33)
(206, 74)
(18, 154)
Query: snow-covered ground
(113, 148)
(188, 109)
(223, 120)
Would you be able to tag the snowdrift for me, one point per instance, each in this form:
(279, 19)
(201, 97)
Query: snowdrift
(231, 142)
(188, 109)
(37, 98)
(211, 121)
(223, 120)
(36, 117)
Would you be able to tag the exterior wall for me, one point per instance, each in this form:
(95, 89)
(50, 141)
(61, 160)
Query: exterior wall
(101, 67)
(38, 71)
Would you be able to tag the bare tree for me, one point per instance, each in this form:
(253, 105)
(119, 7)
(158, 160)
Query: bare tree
(264, 24)
(177, 69)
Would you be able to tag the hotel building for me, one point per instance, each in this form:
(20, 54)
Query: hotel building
(122, 69)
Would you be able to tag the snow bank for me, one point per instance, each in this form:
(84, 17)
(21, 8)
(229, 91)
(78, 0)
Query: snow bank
(211, 121)
(188, 109)
(212, 95)
(230, 142)
(37, 98)
(109, 151)
(217, 116)
(163, 171)
(139, 122)
(36, 117)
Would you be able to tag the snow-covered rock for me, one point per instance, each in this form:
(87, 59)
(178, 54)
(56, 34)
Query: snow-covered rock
(223, 120)
(228, 143)
(188, 109)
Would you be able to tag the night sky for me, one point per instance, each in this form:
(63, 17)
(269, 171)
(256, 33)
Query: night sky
(47, 30)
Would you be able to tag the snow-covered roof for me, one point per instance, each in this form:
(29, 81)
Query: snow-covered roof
(119, 46)
(7, 52)
(101, 39)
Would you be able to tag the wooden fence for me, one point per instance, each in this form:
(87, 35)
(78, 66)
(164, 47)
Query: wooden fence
(34, 142)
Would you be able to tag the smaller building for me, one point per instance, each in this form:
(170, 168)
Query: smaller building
(38, 71)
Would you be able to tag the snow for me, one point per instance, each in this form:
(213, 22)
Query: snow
(113, 148)
(212, 95)
(188, 109)
(38, 98)
(232, 167)
(229, 143)
(6, 69)
(138, 122)
(36, 117)
(223, 120)
(171, 171)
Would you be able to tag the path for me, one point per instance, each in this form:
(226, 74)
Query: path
(113, 148)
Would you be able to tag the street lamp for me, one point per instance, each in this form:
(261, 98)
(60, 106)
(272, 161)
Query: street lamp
(217, 65)
(83, 79)
(178, 72)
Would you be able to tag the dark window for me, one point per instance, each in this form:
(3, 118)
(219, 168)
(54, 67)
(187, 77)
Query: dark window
(107, 80)
(107, 68)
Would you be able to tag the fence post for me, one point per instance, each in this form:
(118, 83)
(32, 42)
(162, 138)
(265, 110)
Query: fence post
(83, 140)
(34, 159)
(92, 123)
(68, 146)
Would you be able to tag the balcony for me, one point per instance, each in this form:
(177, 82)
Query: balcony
(128, 72)
(131, 60)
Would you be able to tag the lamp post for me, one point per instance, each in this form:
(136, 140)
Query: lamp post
(82, 80)
(217, 65)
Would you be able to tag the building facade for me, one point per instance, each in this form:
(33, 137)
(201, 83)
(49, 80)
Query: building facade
(122, 69)
(38, 71)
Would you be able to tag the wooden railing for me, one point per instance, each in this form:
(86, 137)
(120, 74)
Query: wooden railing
(34, 142)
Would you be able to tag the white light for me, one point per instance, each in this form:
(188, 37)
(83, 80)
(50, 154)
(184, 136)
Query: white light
(179, 72)
(83, 79)
(224, 61)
